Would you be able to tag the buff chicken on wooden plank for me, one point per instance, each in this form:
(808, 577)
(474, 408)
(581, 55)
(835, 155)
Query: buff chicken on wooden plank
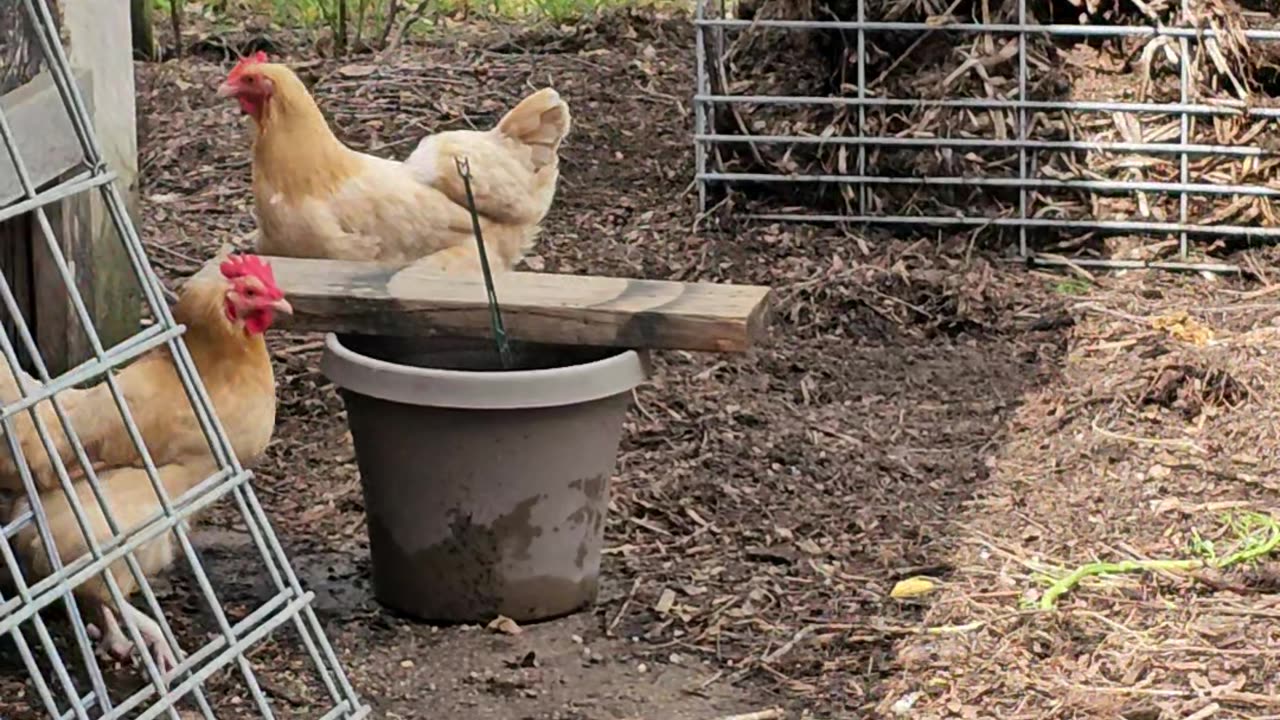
(226, 318)
(317, 198)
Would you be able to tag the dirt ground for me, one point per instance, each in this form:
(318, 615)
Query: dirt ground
(765, 490)
(922, 409)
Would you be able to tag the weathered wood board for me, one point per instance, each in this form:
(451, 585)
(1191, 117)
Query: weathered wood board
(102, 68)
(43, 131)
(50, 152)
(95, 36)
(377, 299)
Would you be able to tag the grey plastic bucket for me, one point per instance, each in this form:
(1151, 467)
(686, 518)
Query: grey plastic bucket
(485, 490)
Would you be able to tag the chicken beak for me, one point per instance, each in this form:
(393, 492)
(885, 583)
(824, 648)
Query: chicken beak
(282, 306)
(226, 90)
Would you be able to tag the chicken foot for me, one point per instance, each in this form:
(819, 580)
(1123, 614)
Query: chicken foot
(118, 644)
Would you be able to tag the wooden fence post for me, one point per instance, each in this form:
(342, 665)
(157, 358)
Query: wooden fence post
(96, 33)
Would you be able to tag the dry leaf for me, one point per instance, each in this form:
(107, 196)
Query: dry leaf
(357, 70)
(1182, 326)
(504, 624)
(912, 587)
(696, 517)
(665, 602)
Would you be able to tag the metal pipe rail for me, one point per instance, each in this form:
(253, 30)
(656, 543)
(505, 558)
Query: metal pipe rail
(1024, 174)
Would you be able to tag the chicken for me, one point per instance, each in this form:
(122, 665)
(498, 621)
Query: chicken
(515, 164)
(225, 320)
(9, 383)
(317, 198)
(10, 394)
(132, 501)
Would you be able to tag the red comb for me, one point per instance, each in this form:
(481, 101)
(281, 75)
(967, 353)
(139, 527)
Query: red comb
(236, 266)
(254, 59)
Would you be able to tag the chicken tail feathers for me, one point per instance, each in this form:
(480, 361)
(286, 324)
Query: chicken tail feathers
(514, 164)
(540, 121)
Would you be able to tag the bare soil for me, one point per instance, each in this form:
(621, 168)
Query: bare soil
(767, 490)
(923, 409)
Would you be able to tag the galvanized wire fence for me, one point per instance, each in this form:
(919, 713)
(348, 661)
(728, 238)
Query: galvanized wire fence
(43, 620)
(1060, 122)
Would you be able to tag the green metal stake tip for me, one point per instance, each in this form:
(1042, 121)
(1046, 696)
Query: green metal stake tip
(495, 313)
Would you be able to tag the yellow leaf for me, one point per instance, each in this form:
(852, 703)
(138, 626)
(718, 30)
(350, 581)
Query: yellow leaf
(505, 625)
(1181, 326)
(665, 602)
(912, 587)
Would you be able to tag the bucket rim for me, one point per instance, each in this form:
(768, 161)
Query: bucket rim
(481, 389)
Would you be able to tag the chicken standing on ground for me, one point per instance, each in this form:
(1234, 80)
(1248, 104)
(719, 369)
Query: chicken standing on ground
(317, 198)
(225, 319)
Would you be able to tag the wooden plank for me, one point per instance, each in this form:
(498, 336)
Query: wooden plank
(20, 61)
(52, 153)
(15, 262)
(55, 322)
(59, 333)
(378, 299)
(43, 132)
(97, 32)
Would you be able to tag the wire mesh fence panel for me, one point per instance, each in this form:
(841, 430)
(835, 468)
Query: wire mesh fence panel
(92, 509)
(1122, 134)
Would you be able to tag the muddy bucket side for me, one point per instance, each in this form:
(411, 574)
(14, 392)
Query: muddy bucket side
(485, 490)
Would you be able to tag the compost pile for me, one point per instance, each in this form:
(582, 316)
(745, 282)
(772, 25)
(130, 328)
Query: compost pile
(1228, 71)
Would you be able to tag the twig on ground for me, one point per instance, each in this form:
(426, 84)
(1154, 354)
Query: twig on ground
(786, 647)
(1205, 712)
(1166, 442)
(623, 610)
(770, 714)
